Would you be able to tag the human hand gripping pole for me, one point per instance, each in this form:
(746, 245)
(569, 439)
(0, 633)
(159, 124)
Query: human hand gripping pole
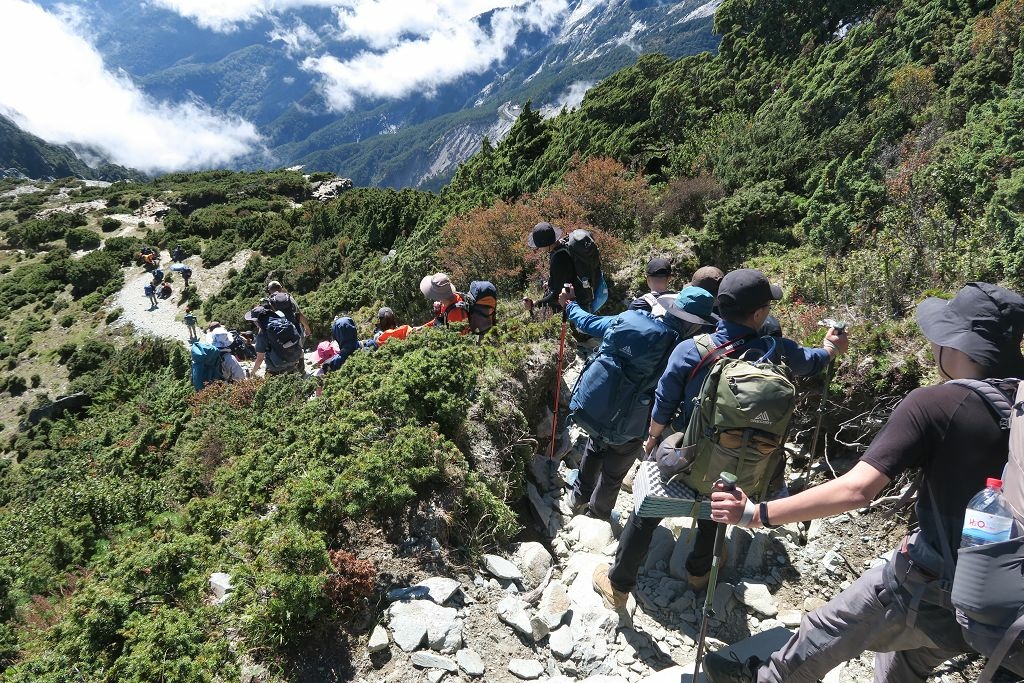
(727, 483)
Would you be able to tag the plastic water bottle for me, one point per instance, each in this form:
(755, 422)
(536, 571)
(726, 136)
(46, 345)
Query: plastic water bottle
(988, 518)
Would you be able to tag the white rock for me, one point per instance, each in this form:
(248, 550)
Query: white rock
(534, 560)
(428, 660)
(513, 612)
(470, 662)
(435, 675)
(553, 605)
(758, 597)
(592, 535)
(378, 639)
(220, 585)
(527, 669)
(501, 568)
(812, 603)
(602, 678)
(561, 642)
(790, 617)
(440, 589)
(411, 621)
(451, 641)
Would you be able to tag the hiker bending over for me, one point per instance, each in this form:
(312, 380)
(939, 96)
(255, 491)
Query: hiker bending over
(745, 297)
(608, 457)
(165, 291)
(439, 289)
(564, 268)
(278, 342)
(951, 433)
(280, 300)
(387, 328)
(346, 337)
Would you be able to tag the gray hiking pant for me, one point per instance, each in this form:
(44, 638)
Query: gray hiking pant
(871, 615)
(602, 470)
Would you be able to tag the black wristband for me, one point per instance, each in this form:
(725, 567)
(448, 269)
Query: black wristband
(763, 514)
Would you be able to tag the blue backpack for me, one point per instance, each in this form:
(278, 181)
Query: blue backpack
(284, 339)
(613, 396)
(206, 360)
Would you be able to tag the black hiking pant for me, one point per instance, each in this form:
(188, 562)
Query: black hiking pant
(636, 539)
(601, 472)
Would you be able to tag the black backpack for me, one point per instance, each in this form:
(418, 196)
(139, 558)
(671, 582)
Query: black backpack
(586, 259)
(284, 339)
(283, 302)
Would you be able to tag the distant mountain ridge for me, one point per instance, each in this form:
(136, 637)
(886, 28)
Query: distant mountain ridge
(24, 154)
(414, 141)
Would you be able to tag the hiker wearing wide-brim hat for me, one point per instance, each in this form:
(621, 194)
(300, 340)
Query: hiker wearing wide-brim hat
(949, 431)
(447, 301)
(693, 305)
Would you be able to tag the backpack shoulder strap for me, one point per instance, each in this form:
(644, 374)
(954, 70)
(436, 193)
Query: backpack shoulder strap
(651, 299)
(711, 354)
(997, 400)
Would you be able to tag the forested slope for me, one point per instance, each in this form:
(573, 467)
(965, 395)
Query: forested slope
(863, 153)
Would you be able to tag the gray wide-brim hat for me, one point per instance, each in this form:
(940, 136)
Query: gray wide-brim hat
(984, 321)
(437, 287)
(692, 304)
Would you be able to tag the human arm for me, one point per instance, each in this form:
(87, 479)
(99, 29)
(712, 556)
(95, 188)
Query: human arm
(851, 491)
(258, 363)
(305, 324)
(588, 323)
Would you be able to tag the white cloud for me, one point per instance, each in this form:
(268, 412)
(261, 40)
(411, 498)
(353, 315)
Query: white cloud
(64, 93)
(419, 54)
(573, 97)
(412, 45)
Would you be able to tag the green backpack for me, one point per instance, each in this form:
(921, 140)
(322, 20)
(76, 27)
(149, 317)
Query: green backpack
(740, 421)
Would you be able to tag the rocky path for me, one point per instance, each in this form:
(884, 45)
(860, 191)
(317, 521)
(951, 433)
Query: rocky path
(166, 320)
(533, 614)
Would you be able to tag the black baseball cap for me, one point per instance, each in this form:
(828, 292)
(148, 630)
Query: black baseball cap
(659, 267)
(259, 313)
(984, 321)
(745, 290)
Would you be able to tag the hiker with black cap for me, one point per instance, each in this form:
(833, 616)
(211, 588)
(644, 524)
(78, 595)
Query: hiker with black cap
(951, 433)
(278, 342)
(659, 273)
(744, 297)
(639, 353)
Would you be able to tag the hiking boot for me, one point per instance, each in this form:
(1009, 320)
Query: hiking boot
(613, 598)
(576, 507)
(719, 669)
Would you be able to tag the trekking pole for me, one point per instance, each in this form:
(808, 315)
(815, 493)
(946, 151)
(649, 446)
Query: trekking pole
(839, 326)
(728, 482)
(558, 386)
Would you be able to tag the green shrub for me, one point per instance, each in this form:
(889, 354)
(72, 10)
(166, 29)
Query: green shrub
(114, 314)
(95, 270)
(16, 385)
(81, 238)
(109, 224)
(123, 249)
(87, 357)
(67, 321)
(217, 251)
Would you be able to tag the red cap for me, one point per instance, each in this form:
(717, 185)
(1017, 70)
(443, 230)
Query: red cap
(993, 483)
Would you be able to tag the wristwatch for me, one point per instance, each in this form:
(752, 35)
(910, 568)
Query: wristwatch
(763, 514)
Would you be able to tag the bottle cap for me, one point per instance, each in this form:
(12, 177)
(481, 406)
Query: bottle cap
(994, 483)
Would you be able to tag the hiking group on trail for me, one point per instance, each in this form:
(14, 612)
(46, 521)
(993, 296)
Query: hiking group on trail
(699, 384)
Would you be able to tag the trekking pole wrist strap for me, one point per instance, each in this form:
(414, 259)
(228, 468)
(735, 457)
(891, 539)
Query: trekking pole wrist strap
(747, 518)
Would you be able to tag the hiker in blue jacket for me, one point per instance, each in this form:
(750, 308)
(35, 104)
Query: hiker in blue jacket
(744, 299)
(604, 464)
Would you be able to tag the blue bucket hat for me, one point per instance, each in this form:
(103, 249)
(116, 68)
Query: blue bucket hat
(693, 304)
